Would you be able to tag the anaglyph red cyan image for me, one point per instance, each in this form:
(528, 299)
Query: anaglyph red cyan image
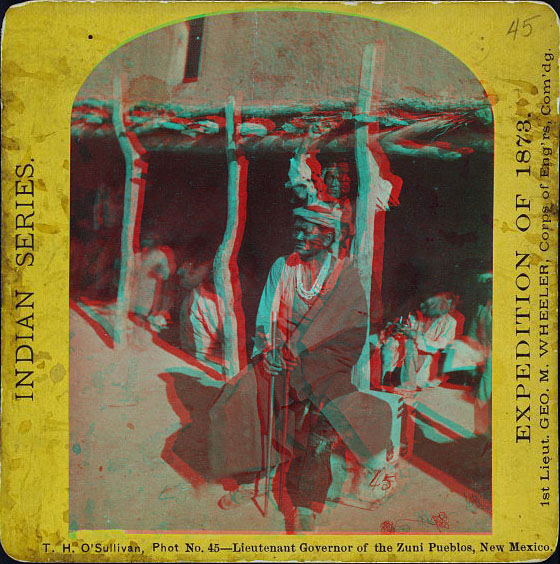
(281, 282)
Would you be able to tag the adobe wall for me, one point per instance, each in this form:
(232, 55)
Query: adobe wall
(276, 57)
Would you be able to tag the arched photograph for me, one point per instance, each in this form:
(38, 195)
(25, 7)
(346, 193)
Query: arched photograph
(281, 282)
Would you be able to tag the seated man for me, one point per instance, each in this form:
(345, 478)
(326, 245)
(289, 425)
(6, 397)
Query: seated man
(202, 313)
(311, 327)
(415, 345)
(153, 266)
(480, 330)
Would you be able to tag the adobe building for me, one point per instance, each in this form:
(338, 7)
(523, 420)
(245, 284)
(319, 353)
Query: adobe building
(188, 131)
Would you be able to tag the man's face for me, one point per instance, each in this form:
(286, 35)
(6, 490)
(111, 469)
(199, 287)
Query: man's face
(309, 240)
(337, 182)
(191, 276)
(435, 306)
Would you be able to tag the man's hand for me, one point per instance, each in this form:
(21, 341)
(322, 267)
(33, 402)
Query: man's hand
(278, 361)
(408, 332)
(403, 329)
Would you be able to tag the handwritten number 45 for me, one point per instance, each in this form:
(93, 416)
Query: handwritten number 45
(526, 27)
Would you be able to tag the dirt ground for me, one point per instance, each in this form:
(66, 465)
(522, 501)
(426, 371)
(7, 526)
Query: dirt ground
(120, 418)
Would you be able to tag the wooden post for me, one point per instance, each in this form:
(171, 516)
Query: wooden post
(369, 189)
(226, 273)
(133, 196)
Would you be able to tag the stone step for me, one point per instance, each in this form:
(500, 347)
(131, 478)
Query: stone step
(447, 413)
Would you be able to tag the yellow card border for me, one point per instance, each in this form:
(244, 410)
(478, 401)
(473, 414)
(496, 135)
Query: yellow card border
(39, 83)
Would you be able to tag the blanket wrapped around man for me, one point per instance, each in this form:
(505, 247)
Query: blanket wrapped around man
(227, 431)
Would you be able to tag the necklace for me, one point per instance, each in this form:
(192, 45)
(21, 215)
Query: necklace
(303, 292)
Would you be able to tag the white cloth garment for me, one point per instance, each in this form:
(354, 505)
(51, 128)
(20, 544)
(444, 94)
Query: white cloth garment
(418, 355)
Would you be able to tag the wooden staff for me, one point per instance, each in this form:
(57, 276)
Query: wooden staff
(268, 461)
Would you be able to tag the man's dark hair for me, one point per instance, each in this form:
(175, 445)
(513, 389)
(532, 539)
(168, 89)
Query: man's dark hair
(199, 250)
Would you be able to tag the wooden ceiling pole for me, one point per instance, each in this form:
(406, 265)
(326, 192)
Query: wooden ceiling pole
(226, 272)
(369, 97)
(135, 168)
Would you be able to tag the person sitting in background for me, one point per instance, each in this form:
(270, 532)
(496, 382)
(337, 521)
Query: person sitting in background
(480, 330)
(471, 354)
(153, 266)
(202, 312)
(415, 345)
(107, 224)
(336, 177)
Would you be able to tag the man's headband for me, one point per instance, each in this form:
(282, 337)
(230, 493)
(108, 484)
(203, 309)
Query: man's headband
(320, 214)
